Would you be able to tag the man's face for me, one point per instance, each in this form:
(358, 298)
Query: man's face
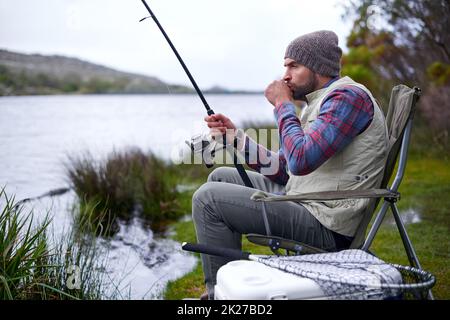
(300, 79)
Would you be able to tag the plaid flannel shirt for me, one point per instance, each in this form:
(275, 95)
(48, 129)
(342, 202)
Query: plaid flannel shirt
(345, 113)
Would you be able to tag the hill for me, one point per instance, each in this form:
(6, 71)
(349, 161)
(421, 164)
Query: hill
(25, 74)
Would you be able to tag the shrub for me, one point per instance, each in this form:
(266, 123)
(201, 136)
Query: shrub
(125, 184)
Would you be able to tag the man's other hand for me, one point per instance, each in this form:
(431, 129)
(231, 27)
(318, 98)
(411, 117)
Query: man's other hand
(278, 92)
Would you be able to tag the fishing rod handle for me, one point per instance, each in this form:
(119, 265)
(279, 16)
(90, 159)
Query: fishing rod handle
(216, 251)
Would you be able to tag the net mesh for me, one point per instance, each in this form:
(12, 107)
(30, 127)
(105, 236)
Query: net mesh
(355, 274)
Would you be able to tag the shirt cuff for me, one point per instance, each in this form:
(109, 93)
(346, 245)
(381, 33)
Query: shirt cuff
(283, 109)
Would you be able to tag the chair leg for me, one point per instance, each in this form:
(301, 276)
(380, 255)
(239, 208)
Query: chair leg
(376, 225)
(412, 257)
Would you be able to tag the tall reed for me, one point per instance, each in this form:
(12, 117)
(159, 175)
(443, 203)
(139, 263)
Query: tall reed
(33, 266)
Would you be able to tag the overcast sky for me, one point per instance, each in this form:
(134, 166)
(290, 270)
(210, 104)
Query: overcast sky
(238, 44)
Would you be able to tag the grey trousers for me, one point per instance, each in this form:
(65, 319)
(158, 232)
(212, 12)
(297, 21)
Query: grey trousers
(222, 211)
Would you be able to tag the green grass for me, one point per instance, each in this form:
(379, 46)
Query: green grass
(33, 268)
(425, 188)
(24, 253)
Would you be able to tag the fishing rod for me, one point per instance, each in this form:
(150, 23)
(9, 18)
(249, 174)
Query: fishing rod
(239, 166)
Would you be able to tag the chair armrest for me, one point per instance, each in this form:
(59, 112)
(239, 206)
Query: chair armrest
(327, 195)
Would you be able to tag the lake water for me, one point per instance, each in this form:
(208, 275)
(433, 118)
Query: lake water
(37, 133)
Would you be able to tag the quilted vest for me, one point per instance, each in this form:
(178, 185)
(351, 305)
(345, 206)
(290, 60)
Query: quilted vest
(359, 165)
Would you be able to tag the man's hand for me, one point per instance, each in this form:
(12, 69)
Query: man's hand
(278, 92)
(219, 125)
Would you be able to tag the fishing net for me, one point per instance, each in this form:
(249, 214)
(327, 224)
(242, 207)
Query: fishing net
(355, 274)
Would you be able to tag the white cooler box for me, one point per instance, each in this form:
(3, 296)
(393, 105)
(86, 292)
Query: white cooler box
(250, 280)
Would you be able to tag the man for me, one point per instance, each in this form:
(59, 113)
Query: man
(339, 142)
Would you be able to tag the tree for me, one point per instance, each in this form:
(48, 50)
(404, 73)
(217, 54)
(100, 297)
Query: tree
(401, 41)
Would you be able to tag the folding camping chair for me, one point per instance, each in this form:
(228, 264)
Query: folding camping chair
(399, 122)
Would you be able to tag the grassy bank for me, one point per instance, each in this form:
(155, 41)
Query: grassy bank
(36, 266)
(425, 189)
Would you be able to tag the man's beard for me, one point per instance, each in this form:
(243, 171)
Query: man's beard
(300, 92)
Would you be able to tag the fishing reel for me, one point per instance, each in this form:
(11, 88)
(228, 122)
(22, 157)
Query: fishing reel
(206, 146)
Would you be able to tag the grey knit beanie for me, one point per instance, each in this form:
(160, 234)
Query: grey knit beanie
(319, 51)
